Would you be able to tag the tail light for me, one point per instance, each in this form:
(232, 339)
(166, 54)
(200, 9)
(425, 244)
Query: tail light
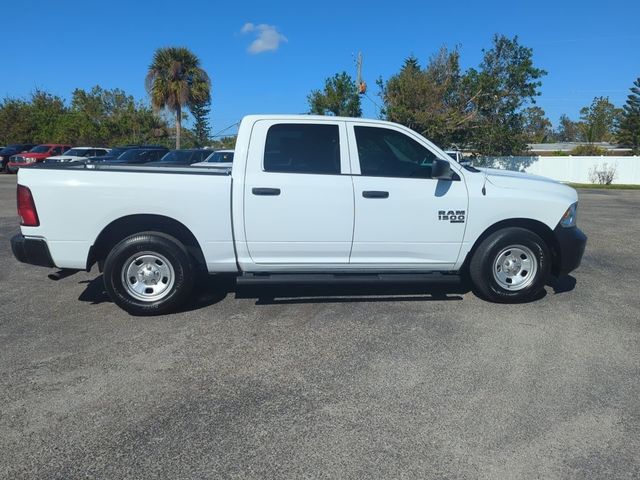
(27, 208)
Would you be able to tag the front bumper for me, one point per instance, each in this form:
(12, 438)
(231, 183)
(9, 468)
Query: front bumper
(31, 250)
(571, 245)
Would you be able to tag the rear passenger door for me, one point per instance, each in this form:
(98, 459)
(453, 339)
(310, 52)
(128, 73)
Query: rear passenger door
(299, 207)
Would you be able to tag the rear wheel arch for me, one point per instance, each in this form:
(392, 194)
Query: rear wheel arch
(123, 227)
(532, 225)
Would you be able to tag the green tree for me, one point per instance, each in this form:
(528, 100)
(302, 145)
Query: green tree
(629, 129)
(429, 100)
(537, 127)
(95, 117)
(506, 81)
(225, 143)
(482, 108)
(598, 120)
(568, 130)
(107, 117)
(339, 97)
(201, 128)
(175, 80)
(45, 114)
(15, 124)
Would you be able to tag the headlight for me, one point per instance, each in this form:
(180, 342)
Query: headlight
(569, 217)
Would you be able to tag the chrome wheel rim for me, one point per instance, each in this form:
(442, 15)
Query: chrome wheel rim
(515, 267)
(148, 276)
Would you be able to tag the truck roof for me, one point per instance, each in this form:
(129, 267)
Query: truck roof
(315, 118)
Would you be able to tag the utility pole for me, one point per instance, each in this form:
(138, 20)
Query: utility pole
(362, 86)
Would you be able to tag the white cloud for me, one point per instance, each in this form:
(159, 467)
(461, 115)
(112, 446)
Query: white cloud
(268, 37)
(247, 27)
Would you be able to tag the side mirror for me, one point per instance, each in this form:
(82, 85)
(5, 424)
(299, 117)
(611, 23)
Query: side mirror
(441, 169)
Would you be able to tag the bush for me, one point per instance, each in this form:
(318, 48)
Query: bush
(603, 175)
(588, 151)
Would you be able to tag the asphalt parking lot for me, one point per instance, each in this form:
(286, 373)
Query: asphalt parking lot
(331, 382)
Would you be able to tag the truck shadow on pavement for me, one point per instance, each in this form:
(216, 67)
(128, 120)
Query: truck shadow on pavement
(562, 284)
(215, 289)
(212, 291)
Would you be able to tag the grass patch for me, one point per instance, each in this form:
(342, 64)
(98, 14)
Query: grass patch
(617, 186)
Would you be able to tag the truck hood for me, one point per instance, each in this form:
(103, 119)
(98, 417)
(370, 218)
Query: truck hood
(526, 181)
(39, 156)
(64, 158)
(496, 175)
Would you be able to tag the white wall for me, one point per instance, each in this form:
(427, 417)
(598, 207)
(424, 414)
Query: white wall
(570, 168)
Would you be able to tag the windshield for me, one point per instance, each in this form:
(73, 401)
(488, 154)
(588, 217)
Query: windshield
(129, 155)
(220, 157)
(76, 152)
(115, 152)
(185, 157)
(40, 149)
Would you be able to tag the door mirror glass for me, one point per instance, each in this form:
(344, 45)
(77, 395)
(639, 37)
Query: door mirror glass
(441, 169)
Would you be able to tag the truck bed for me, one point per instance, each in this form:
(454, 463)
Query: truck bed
(76, 202)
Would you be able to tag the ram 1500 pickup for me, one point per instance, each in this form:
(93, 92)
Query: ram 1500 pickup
(307, 199)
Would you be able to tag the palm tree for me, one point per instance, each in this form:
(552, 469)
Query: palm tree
(175, 81)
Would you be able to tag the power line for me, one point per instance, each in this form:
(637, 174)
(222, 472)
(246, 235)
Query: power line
(374, 102)
(217, 134)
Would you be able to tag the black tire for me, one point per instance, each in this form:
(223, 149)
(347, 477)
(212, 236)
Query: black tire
(481, 267)
(150, 244)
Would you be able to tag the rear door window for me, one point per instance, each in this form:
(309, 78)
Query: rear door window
(302, 148)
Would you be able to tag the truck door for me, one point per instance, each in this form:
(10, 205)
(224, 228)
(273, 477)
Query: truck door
(404, 218)
(298, 198)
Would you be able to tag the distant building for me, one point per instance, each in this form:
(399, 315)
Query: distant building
(567, 147)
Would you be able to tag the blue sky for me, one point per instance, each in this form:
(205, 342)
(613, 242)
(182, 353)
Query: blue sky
(264, 57)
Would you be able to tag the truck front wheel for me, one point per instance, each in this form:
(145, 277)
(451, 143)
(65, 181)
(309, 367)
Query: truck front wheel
(511, 265)
(148, 273)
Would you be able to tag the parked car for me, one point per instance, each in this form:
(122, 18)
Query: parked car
(77, 154)
(137, 156)
(10, 150)
(219, 158)
(183, 157)
(456, 155)
(117, 151)
(311, 199)
(36, 155)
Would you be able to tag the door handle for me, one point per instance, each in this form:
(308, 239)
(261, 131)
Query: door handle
(265, 191)
(375, 194)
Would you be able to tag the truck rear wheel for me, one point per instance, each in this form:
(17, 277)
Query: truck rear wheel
(148, 273)
(511, 265)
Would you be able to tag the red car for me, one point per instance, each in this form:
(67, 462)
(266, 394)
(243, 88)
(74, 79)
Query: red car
(35, 155)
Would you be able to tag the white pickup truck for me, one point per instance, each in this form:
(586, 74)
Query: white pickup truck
(308, 199)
